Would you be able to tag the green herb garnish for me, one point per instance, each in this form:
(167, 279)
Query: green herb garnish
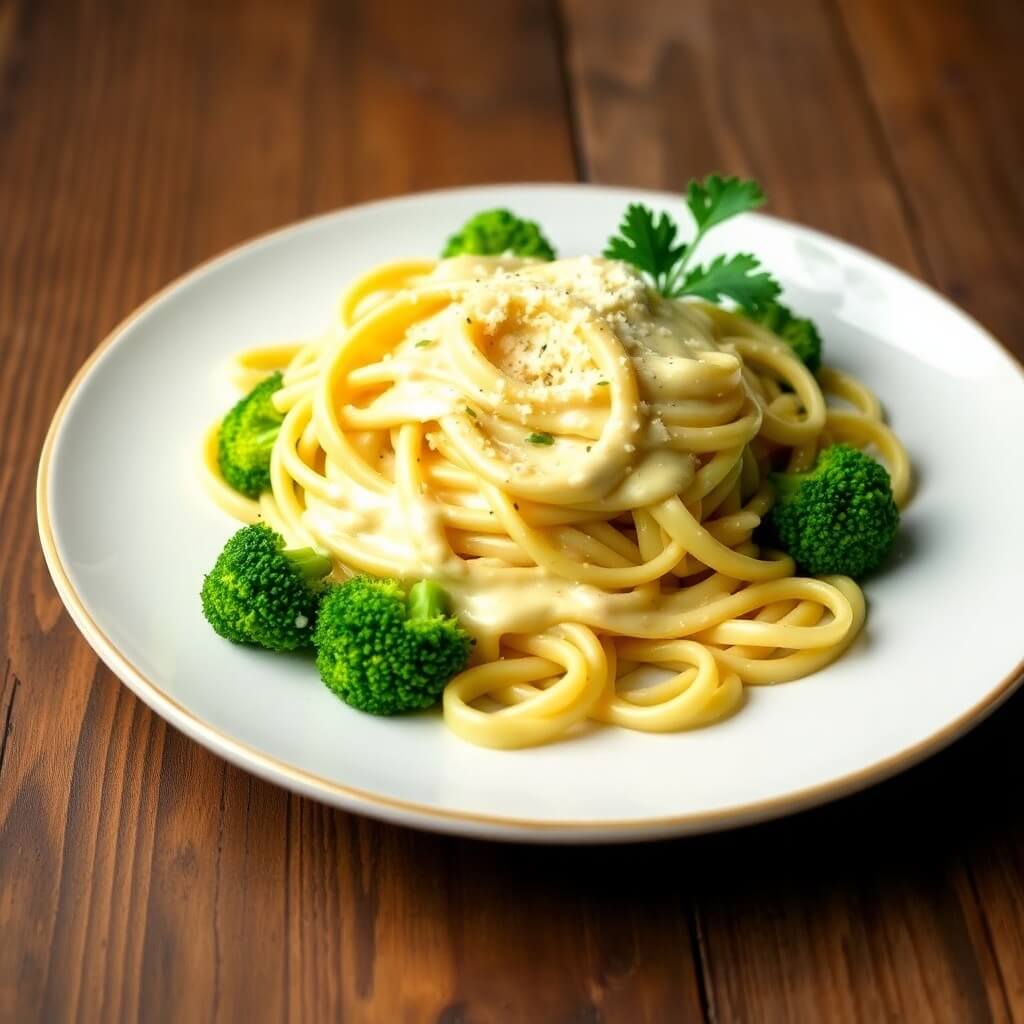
(650, 242)
(541, 438)
(733, 277)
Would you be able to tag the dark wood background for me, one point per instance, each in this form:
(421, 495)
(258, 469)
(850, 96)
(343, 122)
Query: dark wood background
(143, 878)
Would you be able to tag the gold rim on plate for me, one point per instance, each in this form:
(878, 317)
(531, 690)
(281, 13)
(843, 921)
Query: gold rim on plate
(425, 815)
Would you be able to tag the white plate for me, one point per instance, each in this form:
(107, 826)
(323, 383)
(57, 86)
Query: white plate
(128, 533)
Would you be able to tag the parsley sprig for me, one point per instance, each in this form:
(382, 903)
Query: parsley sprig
(651, 243)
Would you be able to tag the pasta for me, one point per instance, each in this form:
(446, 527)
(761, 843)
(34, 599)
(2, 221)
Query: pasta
(582, 464)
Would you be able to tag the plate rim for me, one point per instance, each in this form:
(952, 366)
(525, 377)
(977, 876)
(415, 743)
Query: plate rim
(426, 816)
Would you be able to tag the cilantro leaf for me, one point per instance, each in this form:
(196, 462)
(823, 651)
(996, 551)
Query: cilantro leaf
(649, 243)
(732, 277)
(718, 199)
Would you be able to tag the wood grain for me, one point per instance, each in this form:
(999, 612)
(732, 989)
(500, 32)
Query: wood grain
(144, 878)
(945, 85)
(954, 128)
(141, 878)
(843, 116)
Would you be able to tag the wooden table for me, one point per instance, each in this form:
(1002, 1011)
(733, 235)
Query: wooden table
(143, 878)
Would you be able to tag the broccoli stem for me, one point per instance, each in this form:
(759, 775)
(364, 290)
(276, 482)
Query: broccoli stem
(789, 483)
(266, 437)
(309, 564)
(427, 600)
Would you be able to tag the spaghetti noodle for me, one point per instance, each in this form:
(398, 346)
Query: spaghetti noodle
(582, 464)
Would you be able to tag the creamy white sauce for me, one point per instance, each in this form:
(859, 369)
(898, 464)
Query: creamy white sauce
(563, 384)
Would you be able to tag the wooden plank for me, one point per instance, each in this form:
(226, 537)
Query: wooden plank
(867, 911)
(107, 858)
(669, 91)
(8, 23)
(140, 877)
(946, 84)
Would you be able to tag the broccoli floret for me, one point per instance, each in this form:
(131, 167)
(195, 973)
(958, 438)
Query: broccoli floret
(260, 592)
(498, 233)
(247, 435)
(798, 332)
(386, 653)
(839, 517)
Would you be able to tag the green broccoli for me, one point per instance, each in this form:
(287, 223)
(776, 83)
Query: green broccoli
(498, 233)
(839, 517)
(386, 653)
(799, 333)
(260, 592)
(247, 435)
